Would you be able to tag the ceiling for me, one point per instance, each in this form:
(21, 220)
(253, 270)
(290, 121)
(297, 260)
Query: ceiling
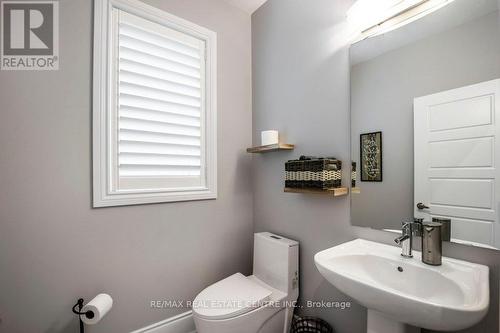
(248, 6)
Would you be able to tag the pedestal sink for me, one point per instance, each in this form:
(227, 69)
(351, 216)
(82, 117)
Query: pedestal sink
(399, 291)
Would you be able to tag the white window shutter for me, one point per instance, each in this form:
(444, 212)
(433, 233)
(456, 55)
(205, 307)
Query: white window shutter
(161, 110)
(159, 103)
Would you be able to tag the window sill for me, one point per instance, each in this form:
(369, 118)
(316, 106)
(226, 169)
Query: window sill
(150, 198)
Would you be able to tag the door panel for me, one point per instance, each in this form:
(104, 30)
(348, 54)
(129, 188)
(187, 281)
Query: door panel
(473, 230)
(463, 113)
(469, 193)
(456, 168)
(465, 212)
(462, 153)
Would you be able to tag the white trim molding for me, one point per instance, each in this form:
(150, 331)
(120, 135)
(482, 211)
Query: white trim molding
(183, 323)
(109, 188)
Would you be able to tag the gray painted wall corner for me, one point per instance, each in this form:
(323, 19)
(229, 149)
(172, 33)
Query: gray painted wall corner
(301, 87)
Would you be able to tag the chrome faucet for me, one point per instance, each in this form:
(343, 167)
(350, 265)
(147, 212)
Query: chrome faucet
(408, 230)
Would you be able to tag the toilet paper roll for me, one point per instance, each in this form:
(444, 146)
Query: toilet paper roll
(269, 137)
(100, 305)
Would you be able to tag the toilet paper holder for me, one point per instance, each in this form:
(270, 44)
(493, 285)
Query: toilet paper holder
(89, 314)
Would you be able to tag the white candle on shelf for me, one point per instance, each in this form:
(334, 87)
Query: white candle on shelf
(269, 137)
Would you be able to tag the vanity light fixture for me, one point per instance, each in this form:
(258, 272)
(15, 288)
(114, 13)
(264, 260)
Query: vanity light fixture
(374, 17)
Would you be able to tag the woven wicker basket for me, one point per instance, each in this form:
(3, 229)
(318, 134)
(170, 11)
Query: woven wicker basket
(353, 174)
(313, 172)
(310, 325)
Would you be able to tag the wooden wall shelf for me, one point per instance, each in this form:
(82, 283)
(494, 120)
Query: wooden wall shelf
(270, 148)
(334, 192)
(356, 190)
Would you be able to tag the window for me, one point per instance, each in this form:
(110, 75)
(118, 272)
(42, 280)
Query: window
(154, 125)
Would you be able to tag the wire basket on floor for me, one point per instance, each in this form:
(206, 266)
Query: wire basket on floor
(310, 325)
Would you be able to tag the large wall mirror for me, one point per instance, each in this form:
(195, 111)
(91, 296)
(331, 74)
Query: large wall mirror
(425, 123)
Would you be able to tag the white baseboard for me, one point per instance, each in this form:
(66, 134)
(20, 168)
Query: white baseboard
(182, 323)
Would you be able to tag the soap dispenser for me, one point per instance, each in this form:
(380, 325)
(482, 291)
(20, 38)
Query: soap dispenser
(432, 243)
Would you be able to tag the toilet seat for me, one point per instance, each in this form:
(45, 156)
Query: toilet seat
(230, 297)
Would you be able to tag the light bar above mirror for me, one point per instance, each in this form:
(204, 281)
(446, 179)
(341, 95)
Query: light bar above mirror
(370, 18)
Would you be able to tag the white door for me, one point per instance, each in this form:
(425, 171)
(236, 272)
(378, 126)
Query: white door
(457, 160)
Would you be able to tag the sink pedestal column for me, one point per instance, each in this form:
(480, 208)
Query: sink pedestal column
(378, 323)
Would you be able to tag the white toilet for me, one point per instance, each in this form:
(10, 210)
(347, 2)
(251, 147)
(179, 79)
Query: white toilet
(260, 303)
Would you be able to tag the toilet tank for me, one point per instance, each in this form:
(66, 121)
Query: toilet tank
(276, 262)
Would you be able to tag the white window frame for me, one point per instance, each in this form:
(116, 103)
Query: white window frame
(104, 139)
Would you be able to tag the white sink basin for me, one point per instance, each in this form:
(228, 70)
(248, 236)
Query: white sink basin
(449, 297)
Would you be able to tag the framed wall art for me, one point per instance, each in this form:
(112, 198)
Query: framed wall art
(371, 157)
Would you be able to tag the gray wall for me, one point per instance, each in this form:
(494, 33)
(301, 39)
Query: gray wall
(55, 248)
(301, 87)
(382, 93)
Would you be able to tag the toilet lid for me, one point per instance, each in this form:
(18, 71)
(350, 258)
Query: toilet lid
(230, 297)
